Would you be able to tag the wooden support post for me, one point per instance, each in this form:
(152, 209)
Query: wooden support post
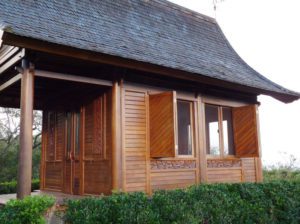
(116, 137)
(258, 162)
(202, 141)
(26, 120)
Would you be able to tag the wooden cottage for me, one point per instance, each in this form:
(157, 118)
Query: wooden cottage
(137, 95)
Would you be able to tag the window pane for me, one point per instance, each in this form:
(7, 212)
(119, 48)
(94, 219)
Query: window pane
(228, 131)
(184, 128)
(212, 130)
(77, 133)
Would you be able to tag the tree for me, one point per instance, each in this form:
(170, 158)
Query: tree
(9, 143)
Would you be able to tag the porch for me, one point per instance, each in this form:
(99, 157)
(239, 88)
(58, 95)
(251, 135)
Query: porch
(34, 81)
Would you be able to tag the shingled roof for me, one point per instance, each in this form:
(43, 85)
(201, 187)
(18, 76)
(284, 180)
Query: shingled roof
(152, 31)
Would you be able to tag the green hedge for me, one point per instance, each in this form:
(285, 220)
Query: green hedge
(11, 187)
(276, 202)
(30, 210)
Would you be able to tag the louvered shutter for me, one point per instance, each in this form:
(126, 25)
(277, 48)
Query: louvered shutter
(94, 129)
(60, 135)
(50, 151)
(245, 131)
(162, 109)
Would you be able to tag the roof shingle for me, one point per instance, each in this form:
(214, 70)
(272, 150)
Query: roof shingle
(154, 31)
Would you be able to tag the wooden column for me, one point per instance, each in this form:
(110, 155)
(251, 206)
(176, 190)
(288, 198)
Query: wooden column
(258, 162)
(26, 120)
(202, 141)
(116, 137)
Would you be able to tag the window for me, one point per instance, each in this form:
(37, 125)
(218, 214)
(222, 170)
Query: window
(171, 125)
(219, 130)
(184, 133)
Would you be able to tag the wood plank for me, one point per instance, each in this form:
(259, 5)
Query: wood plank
(245, 131)
(162, 109)
(10, 82)
(73, 78)
(10, 52)
(16, 58)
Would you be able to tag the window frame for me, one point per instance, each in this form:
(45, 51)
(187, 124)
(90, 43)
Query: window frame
(193, 105)
(221, 132)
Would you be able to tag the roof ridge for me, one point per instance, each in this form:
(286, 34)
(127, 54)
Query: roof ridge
(187, 11)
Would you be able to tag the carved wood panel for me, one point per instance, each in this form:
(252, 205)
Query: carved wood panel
(172, 164)
(219, 163)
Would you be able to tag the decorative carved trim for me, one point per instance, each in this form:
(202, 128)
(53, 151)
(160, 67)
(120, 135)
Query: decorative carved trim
(172, 164)
(219, 163)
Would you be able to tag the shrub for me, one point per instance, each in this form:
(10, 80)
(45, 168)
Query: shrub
(276, 174)
(30, 210)
(11, 187)
(274, 202)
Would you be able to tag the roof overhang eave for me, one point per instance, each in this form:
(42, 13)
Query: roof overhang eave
(34, 44)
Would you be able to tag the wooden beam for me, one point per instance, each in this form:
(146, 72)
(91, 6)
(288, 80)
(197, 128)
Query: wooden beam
(116, 137)
(12, 61)
(10, 82)
(10, 52)
(26, 121)
(73, 78)
(1, 35)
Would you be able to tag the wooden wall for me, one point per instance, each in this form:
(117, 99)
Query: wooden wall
(143, 173)
(138, 170)
(231, 170)
(90, 171)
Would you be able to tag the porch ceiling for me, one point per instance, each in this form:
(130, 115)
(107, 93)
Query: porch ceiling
(50, 94)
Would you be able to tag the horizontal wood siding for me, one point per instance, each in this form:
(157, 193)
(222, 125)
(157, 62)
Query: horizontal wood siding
(96, 177)
(53, 175)
(249, 169)
(224, 175)
(231, 170)
(135, 146)
(171, 179)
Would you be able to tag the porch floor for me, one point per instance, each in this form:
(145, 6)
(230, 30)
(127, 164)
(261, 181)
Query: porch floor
(60, 197)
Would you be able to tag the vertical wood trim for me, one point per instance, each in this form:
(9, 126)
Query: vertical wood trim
(66, 156)
(43, 153)
(242, 171)
(81, 151)
(258, 162)
(196, 145)
(55, 136)
(26, 121)
(123, 138)
(104, 125)
(148, 168)
(221, 136)
(116, 137)
(202, 141)
(175, 122)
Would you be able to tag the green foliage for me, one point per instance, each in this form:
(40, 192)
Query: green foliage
(9, 143)
(274, 202)
(275, 174)
(30, 210)
(11, 187)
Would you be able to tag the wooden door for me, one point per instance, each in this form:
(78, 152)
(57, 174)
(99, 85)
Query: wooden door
(73, 156)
